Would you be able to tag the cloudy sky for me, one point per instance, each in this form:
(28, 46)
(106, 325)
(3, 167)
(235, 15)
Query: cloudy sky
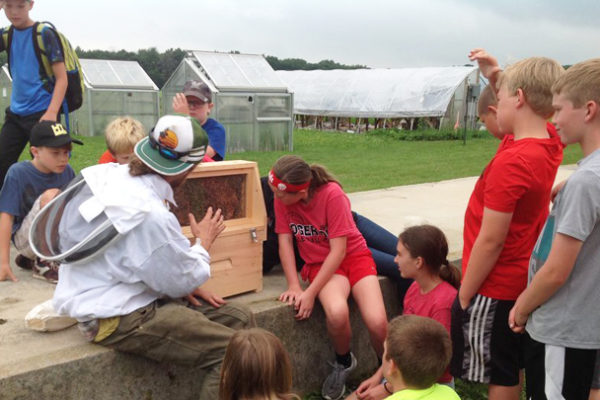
(376, 33)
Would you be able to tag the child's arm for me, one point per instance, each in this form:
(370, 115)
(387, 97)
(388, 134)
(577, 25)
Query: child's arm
(488, 65)
(288, 263)
(305, 302)
(486, 249)
(550, 277)
(6, 222)
(58, 94)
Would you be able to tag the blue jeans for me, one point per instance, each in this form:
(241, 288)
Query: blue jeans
(382, 244)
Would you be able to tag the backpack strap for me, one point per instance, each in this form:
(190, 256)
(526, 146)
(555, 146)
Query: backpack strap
(39, 48)
(7, 35)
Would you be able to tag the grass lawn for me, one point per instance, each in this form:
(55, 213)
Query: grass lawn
(363, 162)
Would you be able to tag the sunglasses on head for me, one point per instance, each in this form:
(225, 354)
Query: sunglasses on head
(165, 151)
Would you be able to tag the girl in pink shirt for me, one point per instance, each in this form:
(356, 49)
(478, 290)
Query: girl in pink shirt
(311, 207)
(422, 252)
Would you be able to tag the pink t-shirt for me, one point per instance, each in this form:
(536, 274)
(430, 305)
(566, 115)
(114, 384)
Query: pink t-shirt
(327, 215)
(436, 305)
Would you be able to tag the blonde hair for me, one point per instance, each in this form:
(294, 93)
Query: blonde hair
(535, 77)
(487, 98)
(256, 366)
(420, 347)
(580, 83)
(294, 170)
(122, 134)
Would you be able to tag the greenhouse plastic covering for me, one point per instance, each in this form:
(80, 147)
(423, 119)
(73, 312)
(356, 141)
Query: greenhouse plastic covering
(116, 74)
(239, 71)
(379, 93)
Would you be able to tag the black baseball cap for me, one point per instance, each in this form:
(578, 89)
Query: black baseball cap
(50, 134)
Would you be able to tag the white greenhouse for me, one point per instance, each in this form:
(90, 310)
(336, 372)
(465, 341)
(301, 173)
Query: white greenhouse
(114, 89)
(447, 93)
(249, 99)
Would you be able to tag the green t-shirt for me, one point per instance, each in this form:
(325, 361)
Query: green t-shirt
(436, 392)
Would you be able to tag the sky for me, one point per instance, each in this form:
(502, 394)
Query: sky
(375, 33)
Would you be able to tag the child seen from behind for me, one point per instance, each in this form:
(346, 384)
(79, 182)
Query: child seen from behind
(256, 367)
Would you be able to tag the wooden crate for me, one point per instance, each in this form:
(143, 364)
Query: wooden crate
(236, 255)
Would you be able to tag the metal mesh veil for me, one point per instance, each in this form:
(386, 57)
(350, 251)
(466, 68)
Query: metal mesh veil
(45, 236)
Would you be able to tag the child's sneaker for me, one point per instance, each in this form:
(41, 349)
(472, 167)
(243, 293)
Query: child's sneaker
(46, 270)
(24, 262)
(335, 384)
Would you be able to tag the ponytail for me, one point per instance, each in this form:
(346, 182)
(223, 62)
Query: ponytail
(450, 273)
(320, 176)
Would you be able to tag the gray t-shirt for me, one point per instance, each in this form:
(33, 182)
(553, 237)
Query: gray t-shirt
(571, 318)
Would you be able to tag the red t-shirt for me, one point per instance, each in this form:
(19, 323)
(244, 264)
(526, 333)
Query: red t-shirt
(436, 304)
(518, 180)
(327, 215)
(106, 158)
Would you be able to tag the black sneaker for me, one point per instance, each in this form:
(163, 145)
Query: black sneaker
(24, 262)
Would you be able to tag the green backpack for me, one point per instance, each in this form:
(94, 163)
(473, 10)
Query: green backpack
(74, 95)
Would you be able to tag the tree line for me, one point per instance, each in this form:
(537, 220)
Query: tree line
(161, 65)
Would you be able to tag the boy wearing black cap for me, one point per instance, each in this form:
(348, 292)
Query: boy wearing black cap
(196, 101)
(29, 186)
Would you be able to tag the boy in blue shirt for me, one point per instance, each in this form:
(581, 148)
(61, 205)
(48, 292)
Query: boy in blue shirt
(30, 101)
(29, 186)
(196, 101)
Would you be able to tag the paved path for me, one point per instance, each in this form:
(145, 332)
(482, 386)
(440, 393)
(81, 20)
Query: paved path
(442, 204)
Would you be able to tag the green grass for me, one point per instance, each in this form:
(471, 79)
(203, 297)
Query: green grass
(362, 162)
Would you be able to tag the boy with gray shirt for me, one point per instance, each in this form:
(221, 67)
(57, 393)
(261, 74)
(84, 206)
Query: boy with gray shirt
(562, 296)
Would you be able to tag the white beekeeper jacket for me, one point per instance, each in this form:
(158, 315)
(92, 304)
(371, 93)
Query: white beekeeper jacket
(150, 260)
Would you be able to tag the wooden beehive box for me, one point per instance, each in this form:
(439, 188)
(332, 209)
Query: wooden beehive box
(236, 255)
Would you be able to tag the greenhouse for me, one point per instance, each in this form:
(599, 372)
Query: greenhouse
(113, 89)
(249, 99)
(445, 95)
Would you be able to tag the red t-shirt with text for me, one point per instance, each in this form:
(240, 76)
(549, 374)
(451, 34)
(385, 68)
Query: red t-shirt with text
(327, 215)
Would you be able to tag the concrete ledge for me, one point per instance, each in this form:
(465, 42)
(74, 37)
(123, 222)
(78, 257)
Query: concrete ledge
(63, 365)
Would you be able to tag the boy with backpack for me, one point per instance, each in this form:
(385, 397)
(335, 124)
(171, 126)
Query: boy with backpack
(36, 96)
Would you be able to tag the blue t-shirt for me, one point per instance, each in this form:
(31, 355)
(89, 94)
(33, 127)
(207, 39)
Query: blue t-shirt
(28, 94)
(216, 136)
(23, 184)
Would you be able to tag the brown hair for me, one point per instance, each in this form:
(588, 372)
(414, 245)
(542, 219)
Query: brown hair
(138, 168)
(429, 243)
(122, 134)
(486, 98)
(294, 170)
(256, 366)
(535, 77)
(420, 347)
(581, 83)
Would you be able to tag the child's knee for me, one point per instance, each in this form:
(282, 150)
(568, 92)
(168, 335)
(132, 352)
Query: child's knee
(337, 315)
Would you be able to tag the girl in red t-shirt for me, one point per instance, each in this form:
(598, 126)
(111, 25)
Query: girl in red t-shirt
(422, 252)
(311, 207)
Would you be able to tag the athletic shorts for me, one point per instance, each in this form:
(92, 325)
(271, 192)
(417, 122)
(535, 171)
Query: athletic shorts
(596, 378)
(484, 349)
(555, 372)
(354, 267)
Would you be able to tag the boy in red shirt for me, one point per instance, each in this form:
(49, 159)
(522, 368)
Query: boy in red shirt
(505, 214)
